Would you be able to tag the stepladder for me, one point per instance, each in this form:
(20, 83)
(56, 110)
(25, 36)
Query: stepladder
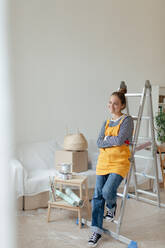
(81, 184)
(139, 195)
(151, 143)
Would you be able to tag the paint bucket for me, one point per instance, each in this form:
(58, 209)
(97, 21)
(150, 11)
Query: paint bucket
(65, 176)
(65, 168)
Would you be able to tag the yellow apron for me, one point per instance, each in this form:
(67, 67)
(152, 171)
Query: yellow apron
(113, 159)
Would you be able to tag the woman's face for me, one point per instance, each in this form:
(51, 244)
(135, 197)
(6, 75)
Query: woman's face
(115, 106)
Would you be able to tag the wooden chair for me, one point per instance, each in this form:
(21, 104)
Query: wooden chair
(161, 150)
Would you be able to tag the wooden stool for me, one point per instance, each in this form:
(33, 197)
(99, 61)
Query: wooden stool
(79, 182)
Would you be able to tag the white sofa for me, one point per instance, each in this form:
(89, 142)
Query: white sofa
(35, 162)
(31, 168)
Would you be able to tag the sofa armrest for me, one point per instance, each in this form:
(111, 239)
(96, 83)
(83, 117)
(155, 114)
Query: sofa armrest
(18, 175)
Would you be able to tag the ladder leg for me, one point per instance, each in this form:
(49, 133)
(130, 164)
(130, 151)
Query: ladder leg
(134, 170)
(134, 178)
(79, 217)
(123, 203)
(135, 138)
(48, 214)
(154, 148)
(87, 198)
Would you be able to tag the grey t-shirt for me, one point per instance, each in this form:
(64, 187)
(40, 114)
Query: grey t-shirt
(125, 133)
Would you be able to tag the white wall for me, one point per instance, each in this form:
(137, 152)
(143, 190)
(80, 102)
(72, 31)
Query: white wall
(69, 55)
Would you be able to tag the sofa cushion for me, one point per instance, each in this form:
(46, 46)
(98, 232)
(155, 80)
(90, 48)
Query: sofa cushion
(38, 181)
(40, 155)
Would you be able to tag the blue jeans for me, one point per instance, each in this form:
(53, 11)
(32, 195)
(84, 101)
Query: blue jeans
(105, 191)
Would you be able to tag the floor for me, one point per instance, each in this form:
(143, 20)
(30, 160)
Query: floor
(142, 222)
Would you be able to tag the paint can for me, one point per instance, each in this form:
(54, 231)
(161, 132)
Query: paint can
(65, 168)
(65, 176)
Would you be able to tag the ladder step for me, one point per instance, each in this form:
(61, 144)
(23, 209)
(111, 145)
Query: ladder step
(120, 195)
(116, 222)
(146, 192)
(144, 175)
(142, 146)
(162, 104)
(133, 94)
(145, 138)
(143, 117)
(145, 157)
(146, 200)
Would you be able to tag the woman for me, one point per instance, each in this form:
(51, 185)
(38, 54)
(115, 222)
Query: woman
(113, 163)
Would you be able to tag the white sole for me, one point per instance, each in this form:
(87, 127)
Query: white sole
(109, 220)
(92, 245)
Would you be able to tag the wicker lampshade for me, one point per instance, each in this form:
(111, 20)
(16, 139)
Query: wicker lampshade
(75, 142)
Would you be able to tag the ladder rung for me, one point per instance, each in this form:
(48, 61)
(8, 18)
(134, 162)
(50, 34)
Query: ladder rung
(162, 104)
(146, 192)
(143, 117)
(120, 195)
(146, 200)
(144, 175)
(145, 157)
(145, 138)
(142, 146)
(133, 94)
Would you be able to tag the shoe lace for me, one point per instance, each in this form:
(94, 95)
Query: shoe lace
(109, 212)
(94, 237)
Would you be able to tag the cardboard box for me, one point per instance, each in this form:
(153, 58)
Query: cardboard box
(78, 159)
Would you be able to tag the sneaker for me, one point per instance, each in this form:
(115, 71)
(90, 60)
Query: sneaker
(110, 215)
(93, 241)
